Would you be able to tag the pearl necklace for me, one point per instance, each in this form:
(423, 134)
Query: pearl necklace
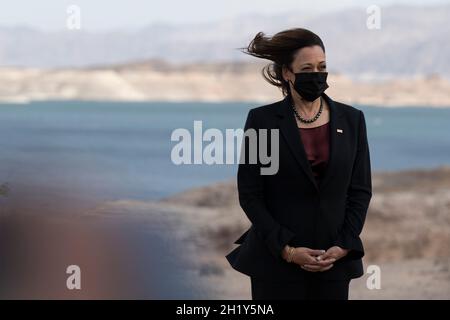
(301, 119)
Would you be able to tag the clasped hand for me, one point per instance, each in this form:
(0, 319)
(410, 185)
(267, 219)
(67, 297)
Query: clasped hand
(315, 260)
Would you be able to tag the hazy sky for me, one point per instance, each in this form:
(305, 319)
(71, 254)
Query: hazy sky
(115, 14)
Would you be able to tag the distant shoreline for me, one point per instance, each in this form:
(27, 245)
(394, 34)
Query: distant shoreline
(213, 83)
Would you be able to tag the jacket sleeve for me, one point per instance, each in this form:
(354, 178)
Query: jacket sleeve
(359, 194)
(251, 198)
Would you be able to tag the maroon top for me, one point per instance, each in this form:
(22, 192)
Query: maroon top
(316, 144)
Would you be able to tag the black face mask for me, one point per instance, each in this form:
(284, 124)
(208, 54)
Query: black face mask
(310, 85)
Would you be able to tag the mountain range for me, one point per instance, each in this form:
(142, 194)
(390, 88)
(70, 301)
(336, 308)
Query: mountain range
(411, 41)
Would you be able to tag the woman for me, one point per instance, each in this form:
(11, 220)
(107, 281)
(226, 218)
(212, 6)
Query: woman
(307, 217)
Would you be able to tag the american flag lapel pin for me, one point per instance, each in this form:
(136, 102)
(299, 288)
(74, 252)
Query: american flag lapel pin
(340, 130)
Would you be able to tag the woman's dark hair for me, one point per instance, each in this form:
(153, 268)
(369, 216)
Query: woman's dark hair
(281, 49)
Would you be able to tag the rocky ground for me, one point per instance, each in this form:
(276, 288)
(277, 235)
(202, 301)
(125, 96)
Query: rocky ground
(407, 234)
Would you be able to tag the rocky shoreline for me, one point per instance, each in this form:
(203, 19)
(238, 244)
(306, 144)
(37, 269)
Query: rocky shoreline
(407, 234)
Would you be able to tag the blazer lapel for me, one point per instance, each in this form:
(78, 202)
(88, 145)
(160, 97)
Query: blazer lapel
(289, 130)
(336, 138)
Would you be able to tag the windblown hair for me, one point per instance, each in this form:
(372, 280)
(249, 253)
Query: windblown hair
(281, 49)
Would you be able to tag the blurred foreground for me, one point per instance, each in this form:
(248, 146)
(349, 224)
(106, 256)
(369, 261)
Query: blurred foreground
(175, 248)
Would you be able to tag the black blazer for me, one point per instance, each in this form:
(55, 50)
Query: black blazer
(289, 207)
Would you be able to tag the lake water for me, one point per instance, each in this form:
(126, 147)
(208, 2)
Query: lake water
(110, 150)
